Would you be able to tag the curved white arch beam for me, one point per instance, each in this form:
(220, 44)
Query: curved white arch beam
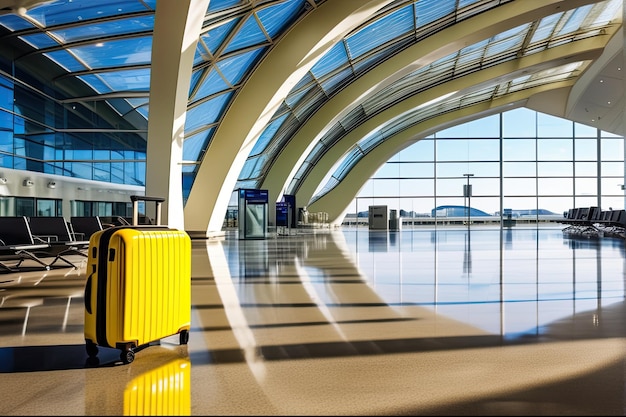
(449, 40)
(337, 201)
(586, 98)
(582, 50)
(257, 102)
(177, 26)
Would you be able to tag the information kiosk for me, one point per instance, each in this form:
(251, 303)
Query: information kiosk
(253, 213)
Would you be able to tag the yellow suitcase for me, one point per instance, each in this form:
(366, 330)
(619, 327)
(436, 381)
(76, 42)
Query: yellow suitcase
(138, 288)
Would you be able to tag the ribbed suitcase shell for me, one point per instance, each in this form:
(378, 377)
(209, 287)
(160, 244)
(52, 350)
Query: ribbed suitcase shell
(164, 391)
(139, 286)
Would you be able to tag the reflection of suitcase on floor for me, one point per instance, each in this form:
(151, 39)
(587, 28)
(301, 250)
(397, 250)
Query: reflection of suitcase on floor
(138, 288)
(164, 391)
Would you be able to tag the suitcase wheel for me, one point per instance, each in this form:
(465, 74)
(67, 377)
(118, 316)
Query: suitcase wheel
(184, 337)
(127, 356)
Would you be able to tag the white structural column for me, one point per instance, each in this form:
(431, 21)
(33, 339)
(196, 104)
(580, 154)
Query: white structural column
(257, 102)
(176, 30)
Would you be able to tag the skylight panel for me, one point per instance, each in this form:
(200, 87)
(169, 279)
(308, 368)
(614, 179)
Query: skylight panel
(333, 59)
(253, 168)
(249, 34)
(465, 3)
(294, 97)
(104, 29)
(218, 5)
(509, 40)
(466, 100)
(331, 84)
(302, 171)
(212, 83)
(267, 135)
(195, 77)
(366, 62)
(348, 162)
(316, 154)
(127, 80)
(371, 141)
(235, 67)
(471, 55)
(551, 75)
(312, 101)
(330, 184)
(305, 82)
(137, 102)
(96, 83)
(214, 38)
(428, 11)
(206, 113)
(143, 110)
(39, 40)
(606, 12)
(380, 31)
(201, 55)
(194, 145)
(546, 27)
(66, 60)
(15, 23)
(115, 53)
(574, 20)
(69, 11)
(282, 15)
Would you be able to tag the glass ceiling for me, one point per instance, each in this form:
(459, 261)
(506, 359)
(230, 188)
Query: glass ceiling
(101, 50)
(339, 67)
(552, 31)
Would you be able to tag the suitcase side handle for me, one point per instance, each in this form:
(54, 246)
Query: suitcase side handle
(87, 296)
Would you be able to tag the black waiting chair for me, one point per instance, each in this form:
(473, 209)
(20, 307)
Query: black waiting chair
(17, 243)
(85, 226)
(55, 231)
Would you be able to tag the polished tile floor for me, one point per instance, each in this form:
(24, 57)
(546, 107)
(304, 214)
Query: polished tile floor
(519, 321)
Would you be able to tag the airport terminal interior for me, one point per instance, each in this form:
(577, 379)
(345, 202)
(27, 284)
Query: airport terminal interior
(379, 207)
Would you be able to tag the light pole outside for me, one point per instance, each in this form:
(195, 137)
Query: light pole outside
(467, 192)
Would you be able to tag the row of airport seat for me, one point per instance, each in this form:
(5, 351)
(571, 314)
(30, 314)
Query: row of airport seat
(46, 241)
(594, 221)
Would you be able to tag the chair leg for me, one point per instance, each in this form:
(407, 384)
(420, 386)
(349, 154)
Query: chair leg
(25, 254)
(60, 257)
(7, 268)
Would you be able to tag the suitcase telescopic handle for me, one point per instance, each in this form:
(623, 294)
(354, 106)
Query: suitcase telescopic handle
(137, 198)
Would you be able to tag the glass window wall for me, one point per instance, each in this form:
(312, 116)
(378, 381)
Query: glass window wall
(548, 165)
